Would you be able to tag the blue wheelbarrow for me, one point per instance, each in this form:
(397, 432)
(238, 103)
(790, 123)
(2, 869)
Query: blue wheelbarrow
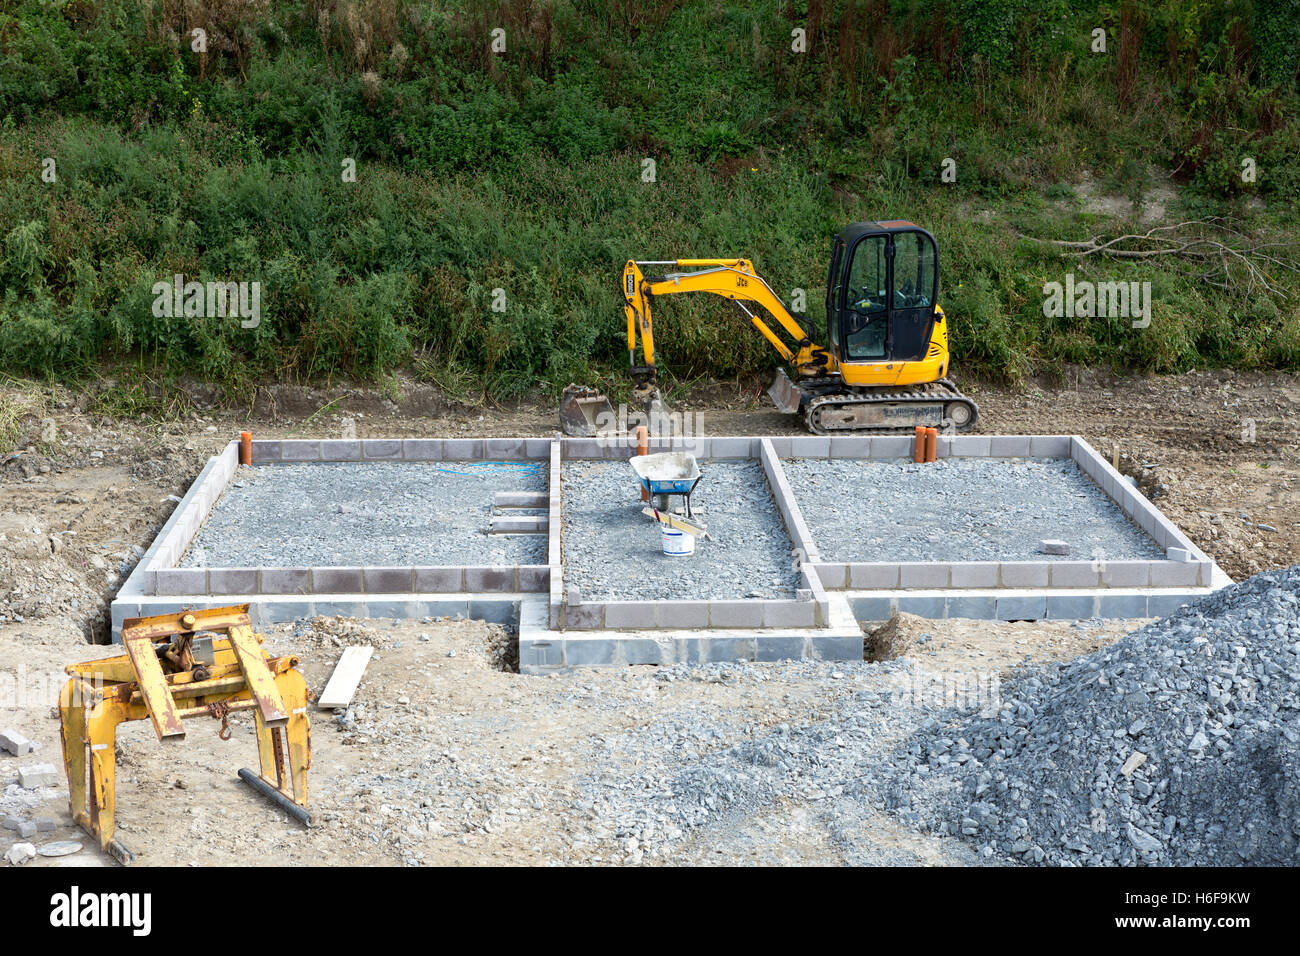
(668, 473)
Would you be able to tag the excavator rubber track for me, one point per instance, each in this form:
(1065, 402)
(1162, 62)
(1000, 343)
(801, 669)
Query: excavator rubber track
(891, 411)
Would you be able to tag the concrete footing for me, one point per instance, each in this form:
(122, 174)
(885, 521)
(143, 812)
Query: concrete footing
(558, 629)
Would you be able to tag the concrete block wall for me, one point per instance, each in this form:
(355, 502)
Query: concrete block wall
(1007, 590)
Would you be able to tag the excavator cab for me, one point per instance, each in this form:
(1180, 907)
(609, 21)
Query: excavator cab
(881, 292)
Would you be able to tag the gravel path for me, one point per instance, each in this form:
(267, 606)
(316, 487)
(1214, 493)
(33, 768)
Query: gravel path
(960, 509)
(394, 514)
(613, 552)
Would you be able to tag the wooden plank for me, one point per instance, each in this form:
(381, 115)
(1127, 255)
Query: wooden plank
(347, 675)
(673, 521)
(258, 676)
(153, 688)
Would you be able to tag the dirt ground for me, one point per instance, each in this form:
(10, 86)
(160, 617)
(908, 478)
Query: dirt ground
(450, 759)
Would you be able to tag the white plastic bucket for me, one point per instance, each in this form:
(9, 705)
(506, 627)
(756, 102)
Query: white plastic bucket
(677, 543)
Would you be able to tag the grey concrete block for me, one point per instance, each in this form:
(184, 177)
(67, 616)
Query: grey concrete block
(922, 575)
(534, 578)
(1021, 608)
(449, 608)
(284, 581)
(1071, 607)
(503, 449)
(582, 448)
(932, 607)
(1125, 574)
(537, 447)
(521, 499)
(735, 613)
(439, 580)
(173, 581)
(1205, 573)
(810, 446)
(1122, 605)
(337, 581)
(1049, 446)
(232, 580)
(640, 651)
(977, 607)
(304, 449)
(45, 824)
(730, 649)
(683, 614)
(1169, 574)
(27, 828)
(891, 446)
(630, 614)
(731, 447)
(490, 579)
(590, 652)
(334, 607)
(779, 648)
(389, 580)
(873, 577)
(1075, 574)
(789, 613)
(969, 446)
(381, 449)
(584, 616)
(264, 450)
(1162, 605)
(344, 449)
(462, 449)
(833, 576)
(781, 445)
(288, 609)
(1023, 574)
(539, 657)
(1177, 554)
(873, 608)
(494, 612)
(828, 648)
(975, 574)
(691, 650)
(519, 524)
(15, 743)
(1009, 446)
(39, 775)
(1053, 546)
(850, 446)
(422, 449)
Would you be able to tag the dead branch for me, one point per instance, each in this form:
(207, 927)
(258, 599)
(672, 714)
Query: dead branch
(1221, 255)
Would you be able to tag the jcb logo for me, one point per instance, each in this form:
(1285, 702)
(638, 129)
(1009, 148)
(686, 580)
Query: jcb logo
(631, 286)
(741, 282)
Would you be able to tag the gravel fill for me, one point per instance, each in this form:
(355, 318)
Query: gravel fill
(382, 514)
(960, 509)
(1178, 745)
(613, 552)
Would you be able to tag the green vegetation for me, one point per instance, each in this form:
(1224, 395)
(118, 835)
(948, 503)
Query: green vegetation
(522, 171)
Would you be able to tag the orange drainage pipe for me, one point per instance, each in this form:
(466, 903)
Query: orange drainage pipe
(245, 448)
(643, 448)
(931, 444)
(918, 445)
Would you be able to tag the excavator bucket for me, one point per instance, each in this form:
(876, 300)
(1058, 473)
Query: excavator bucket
(785, 395)
(585, 411)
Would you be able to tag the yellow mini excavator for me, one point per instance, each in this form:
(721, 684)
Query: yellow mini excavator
(885, 364)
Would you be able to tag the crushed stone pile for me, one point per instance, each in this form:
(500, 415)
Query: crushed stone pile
(1178, 745)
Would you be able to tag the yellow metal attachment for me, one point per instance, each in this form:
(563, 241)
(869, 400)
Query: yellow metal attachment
(160, 678)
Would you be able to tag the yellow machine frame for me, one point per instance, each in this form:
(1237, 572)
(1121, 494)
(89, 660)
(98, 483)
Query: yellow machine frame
(735, 279)
(169, 681)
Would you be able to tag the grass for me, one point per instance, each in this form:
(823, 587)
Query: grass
(496, 197)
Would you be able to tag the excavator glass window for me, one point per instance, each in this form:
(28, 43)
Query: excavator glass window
(866, 300)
